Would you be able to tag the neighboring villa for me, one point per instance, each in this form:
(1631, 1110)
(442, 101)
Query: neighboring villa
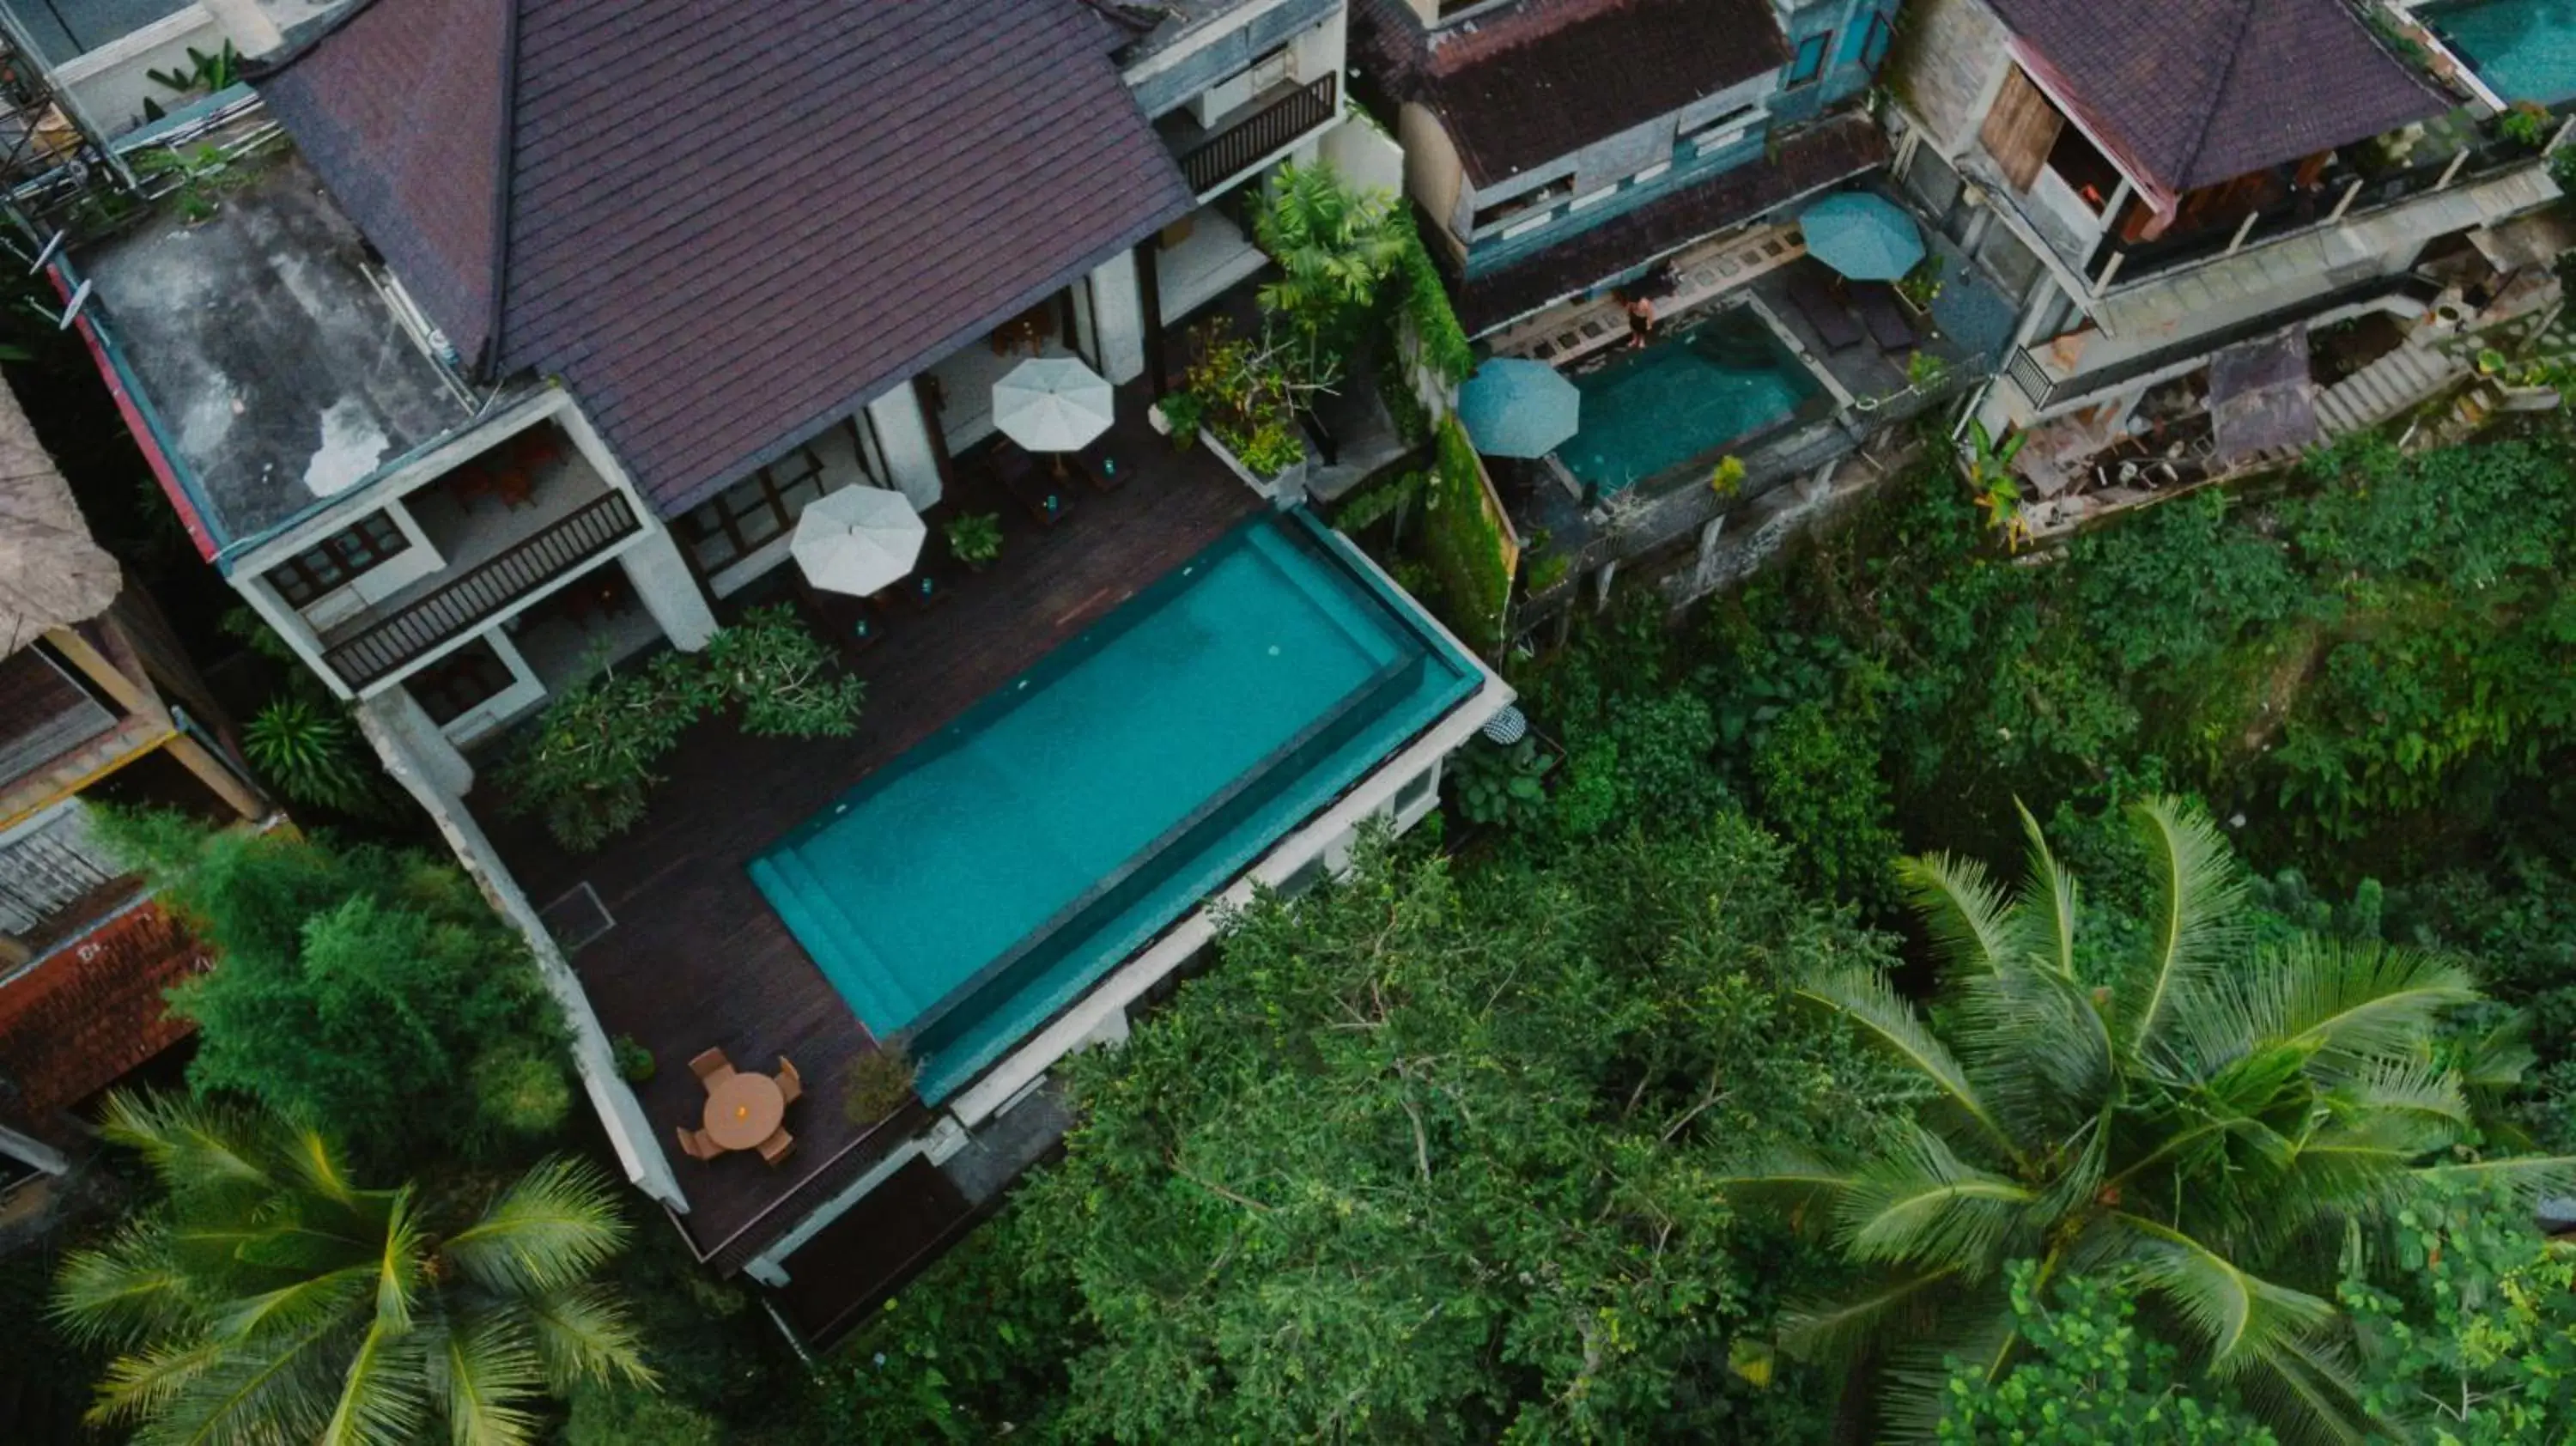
(1567, 157)
(498, 342)
(2236, 227)
(96, 703)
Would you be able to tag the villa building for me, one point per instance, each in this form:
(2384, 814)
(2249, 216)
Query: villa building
(2234, 228)
(97, 703)
(484, 345)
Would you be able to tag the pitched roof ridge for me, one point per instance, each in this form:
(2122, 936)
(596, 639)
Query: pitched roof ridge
(505, 173)
(2189, 160)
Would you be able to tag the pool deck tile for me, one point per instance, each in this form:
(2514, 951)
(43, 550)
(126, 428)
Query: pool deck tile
(697, 957)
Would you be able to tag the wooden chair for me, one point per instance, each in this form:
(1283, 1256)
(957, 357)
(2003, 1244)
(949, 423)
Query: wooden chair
(711, 1068)
(790, 1083)
(695, 1144)
(776, 1147)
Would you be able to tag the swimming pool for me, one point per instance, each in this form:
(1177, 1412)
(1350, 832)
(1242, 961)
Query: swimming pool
(1685, 398)
(2525, 49)
(967, 892)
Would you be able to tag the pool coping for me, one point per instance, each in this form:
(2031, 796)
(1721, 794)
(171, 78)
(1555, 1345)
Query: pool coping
(1744, 299)
(1431, 646)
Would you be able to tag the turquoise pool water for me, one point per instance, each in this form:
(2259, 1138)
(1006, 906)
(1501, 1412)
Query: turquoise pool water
(970, 890)
(2525, 49)
(1684, 398)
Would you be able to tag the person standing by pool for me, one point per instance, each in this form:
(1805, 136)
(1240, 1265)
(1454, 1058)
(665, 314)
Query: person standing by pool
(1641, 321)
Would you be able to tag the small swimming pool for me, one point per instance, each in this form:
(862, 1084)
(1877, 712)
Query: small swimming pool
(967, 892)
(1687, 397)
(2524, 49)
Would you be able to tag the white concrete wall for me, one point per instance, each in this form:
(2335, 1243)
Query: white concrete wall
(668, 590)
(414, 562)
(111, 83)
(418, 758)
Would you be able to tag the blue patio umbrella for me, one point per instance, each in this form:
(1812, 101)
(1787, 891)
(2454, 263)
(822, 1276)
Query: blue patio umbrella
(1862, 236)
(1513, 407)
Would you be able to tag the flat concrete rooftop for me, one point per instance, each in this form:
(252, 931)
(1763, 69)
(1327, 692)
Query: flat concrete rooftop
(272, 369)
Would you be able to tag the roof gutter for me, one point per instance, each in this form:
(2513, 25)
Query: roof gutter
(140, 420)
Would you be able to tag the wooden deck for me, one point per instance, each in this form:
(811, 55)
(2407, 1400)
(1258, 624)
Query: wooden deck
(697, 958)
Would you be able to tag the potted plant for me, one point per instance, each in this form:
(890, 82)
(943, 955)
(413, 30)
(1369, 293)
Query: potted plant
(975, 539)
(1918, 288)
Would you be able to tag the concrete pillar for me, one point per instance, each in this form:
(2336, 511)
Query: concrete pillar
(903, 433)
(669, 591)
(1118, 316)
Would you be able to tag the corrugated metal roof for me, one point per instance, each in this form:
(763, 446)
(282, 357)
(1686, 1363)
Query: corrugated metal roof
(2204, 91)
(727, 223)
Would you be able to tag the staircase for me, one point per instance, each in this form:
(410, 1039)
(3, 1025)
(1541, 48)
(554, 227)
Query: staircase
(2413, 373)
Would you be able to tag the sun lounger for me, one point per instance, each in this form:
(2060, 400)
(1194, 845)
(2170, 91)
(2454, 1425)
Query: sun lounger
(1042, 491)
(1823, 311)
(1876, 303)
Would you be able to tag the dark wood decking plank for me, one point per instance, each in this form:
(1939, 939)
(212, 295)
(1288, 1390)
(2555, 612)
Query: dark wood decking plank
(697, 957)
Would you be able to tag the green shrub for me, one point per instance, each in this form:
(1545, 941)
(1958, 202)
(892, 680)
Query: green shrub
(975, 538)
(1464, 544)
(1497, 785)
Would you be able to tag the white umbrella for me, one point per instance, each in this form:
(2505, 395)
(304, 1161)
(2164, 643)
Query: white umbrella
(858, 539)
(1052, 404)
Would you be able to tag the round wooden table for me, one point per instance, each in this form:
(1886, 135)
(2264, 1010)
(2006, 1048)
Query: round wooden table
(744, 1110)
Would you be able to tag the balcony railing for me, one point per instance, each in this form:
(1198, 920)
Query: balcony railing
(387, 644)
(2344, 192)
(2045, 388)
(1229, 152)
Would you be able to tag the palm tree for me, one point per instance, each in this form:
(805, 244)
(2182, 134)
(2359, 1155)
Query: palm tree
(269, 1299)
(1333, 244)
(2206, 1120)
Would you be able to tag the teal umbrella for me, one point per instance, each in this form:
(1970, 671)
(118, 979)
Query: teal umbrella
(1513, 407)
(1862, 236)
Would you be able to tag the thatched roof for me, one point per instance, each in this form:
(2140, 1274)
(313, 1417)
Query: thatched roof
(51, 573)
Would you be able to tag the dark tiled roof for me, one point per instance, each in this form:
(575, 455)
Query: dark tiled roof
(1809, 160)
(730, 222)
(1546, 78)
(2204, 91)
(92, 1012)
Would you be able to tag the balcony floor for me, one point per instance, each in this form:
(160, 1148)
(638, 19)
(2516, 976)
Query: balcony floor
(697, 958)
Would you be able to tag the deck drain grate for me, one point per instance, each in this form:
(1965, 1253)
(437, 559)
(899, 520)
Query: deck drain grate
(577, 918)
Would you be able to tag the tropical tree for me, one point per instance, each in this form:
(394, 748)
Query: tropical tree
(268, 1298)
(1333, 245)
(2201, 1116)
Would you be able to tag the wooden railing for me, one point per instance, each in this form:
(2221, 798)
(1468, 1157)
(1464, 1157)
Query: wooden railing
(1213, 160)
(391, 642)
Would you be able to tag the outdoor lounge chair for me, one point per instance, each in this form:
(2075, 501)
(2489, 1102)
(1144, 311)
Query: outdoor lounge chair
(1876, 303)
(711, 1068)
(1040, 491)
(790, 1083)
(1823, 310)
(695, 1144)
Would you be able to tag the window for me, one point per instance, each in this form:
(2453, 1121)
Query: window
(2021, 129)
(1810, 61)
(1873, 46)
(759, 509)
(1724, 131)
(461, 682)
(1540, 199)
(338, 559)
(2084, 170)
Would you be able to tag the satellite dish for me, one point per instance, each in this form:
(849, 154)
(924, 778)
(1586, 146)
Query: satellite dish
(72, 309)
(52, 249)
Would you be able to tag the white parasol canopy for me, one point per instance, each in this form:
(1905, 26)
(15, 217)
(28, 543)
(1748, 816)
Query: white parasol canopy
(858, 539)
(1052, 404)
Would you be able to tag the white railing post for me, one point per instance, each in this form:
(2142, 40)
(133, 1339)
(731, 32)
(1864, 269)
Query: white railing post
(2236, 243)
(2349, 193)
(2103, 281)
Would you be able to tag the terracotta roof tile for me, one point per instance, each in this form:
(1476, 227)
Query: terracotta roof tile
(91, 1012)
(1808, 160)
(1546, 78)
(728, 223)
(2204, 91)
